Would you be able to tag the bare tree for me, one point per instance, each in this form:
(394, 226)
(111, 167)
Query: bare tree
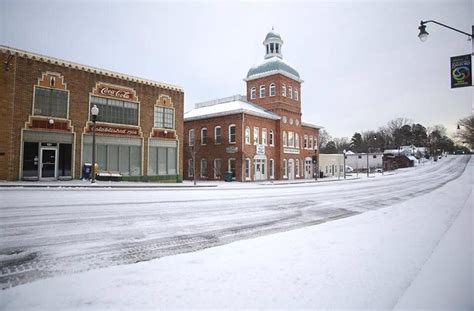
(342, 143)
(466, 131)
(324, 138)
(393, 128)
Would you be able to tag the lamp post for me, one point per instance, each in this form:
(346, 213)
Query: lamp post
(94, 113)
(423, 35)
(344, 154)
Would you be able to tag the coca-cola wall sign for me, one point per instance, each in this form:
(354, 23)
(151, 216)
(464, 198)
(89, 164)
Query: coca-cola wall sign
(115, 91)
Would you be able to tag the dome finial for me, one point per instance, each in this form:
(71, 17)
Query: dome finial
(273, 28)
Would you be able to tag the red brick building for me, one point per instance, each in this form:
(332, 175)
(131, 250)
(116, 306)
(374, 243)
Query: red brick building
(257, 137)
(46, 124)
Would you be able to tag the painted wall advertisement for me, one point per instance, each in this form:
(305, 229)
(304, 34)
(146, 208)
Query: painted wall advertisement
(461, 71)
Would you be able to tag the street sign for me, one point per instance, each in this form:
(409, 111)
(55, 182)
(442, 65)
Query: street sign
(461, 71)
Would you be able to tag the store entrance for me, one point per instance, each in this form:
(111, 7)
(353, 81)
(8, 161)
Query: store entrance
(48, 163)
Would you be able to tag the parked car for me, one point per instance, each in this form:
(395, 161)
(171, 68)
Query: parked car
(349, 169)
(378, 170)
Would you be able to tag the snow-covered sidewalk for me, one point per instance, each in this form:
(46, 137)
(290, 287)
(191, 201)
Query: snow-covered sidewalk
(373, 260)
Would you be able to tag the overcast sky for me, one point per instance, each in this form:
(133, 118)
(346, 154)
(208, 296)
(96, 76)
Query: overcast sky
(361, 61)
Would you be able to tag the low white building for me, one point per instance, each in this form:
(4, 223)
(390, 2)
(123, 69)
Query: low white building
(331, 165)
(359, 161)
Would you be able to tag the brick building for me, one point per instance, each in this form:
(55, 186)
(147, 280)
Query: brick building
(257, 137)
(46, 125)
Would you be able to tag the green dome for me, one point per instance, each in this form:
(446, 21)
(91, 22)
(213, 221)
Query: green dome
(272, 34)
(272, 64)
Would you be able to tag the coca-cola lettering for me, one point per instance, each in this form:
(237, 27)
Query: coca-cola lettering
(108, 91)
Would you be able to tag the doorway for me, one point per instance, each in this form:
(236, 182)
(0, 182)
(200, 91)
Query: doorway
(48, 163)
(291, 169)
(259, 168)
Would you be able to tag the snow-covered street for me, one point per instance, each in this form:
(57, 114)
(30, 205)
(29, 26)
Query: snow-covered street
(363, 261)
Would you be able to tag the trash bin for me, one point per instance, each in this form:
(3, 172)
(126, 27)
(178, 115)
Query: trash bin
(228, 176)
(86, 171)
(321, 174)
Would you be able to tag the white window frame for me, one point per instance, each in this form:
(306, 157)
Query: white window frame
(190, 168)
(305, 145)
(315, 143)
(235, 135)
(262, 91)
(215, 171)
(247, 135)
(296, 95)
(203, 142)
(283, 89)
(256, 136)
(285, 139)
(247, 169)
(272, 138)
(191, 135)
(297, 141)
(215, 135)
(310, 140)
(291, 140)
(297, 167)
(264, 136)
(272, 89)
(201, 171)
(271, 167)
(290, 92)
(285, 168)
(253, 93)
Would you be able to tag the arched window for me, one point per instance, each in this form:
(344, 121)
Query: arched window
(310, 142)
(290, 92)
(291, 139)
(271, 168)
(247, 169)
(285, 139)
(272, 89)
(305, 141)
(296, 95)
(203, 136)
(203, 168)
(253, 93)
(232, 134)
(217, 135)
(297, 141)
(283, 89)
(262, 91)
(191, 137)
(256, 135)
(247, 135)
(285, 168)
(272, 138)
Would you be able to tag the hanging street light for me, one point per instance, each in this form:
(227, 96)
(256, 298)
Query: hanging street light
(423, 35)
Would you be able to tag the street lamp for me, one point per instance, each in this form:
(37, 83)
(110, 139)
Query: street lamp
(423, 35)
(95, 113)
(344, 154)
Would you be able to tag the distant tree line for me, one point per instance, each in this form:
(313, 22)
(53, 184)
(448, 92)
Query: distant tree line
(402, 132)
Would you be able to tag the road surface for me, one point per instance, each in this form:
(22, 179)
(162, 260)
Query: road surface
(47, 232)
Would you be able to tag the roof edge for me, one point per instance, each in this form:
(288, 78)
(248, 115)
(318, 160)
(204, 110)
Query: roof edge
(87, 68)
(269, 73)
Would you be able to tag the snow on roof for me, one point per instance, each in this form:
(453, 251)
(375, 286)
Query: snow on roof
(227, 106)
(307, 124)
(412, 158)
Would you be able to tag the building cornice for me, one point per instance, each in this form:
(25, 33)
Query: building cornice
(273, 72)
(64, 63)
(231, 112)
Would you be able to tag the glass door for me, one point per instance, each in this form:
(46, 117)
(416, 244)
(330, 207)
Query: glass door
(48, 163)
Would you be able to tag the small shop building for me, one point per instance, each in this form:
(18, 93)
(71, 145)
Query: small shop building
(46, 123)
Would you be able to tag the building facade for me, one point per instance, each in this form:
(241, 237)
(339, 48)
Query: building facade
(46, 125)
(331, 165)
(260, 136)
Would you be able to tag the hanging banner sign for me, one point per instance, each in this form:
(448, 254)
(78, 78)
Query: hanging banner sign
(461, 71)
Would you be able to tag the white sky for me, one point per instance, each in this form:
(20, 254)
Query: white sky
(362, 62)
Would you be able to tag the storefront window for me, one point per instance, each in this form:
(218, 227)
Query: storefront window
(30, 159)
(65, 154)
(50, 102)
(115, 111)
(122, 159)
(162, 161)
